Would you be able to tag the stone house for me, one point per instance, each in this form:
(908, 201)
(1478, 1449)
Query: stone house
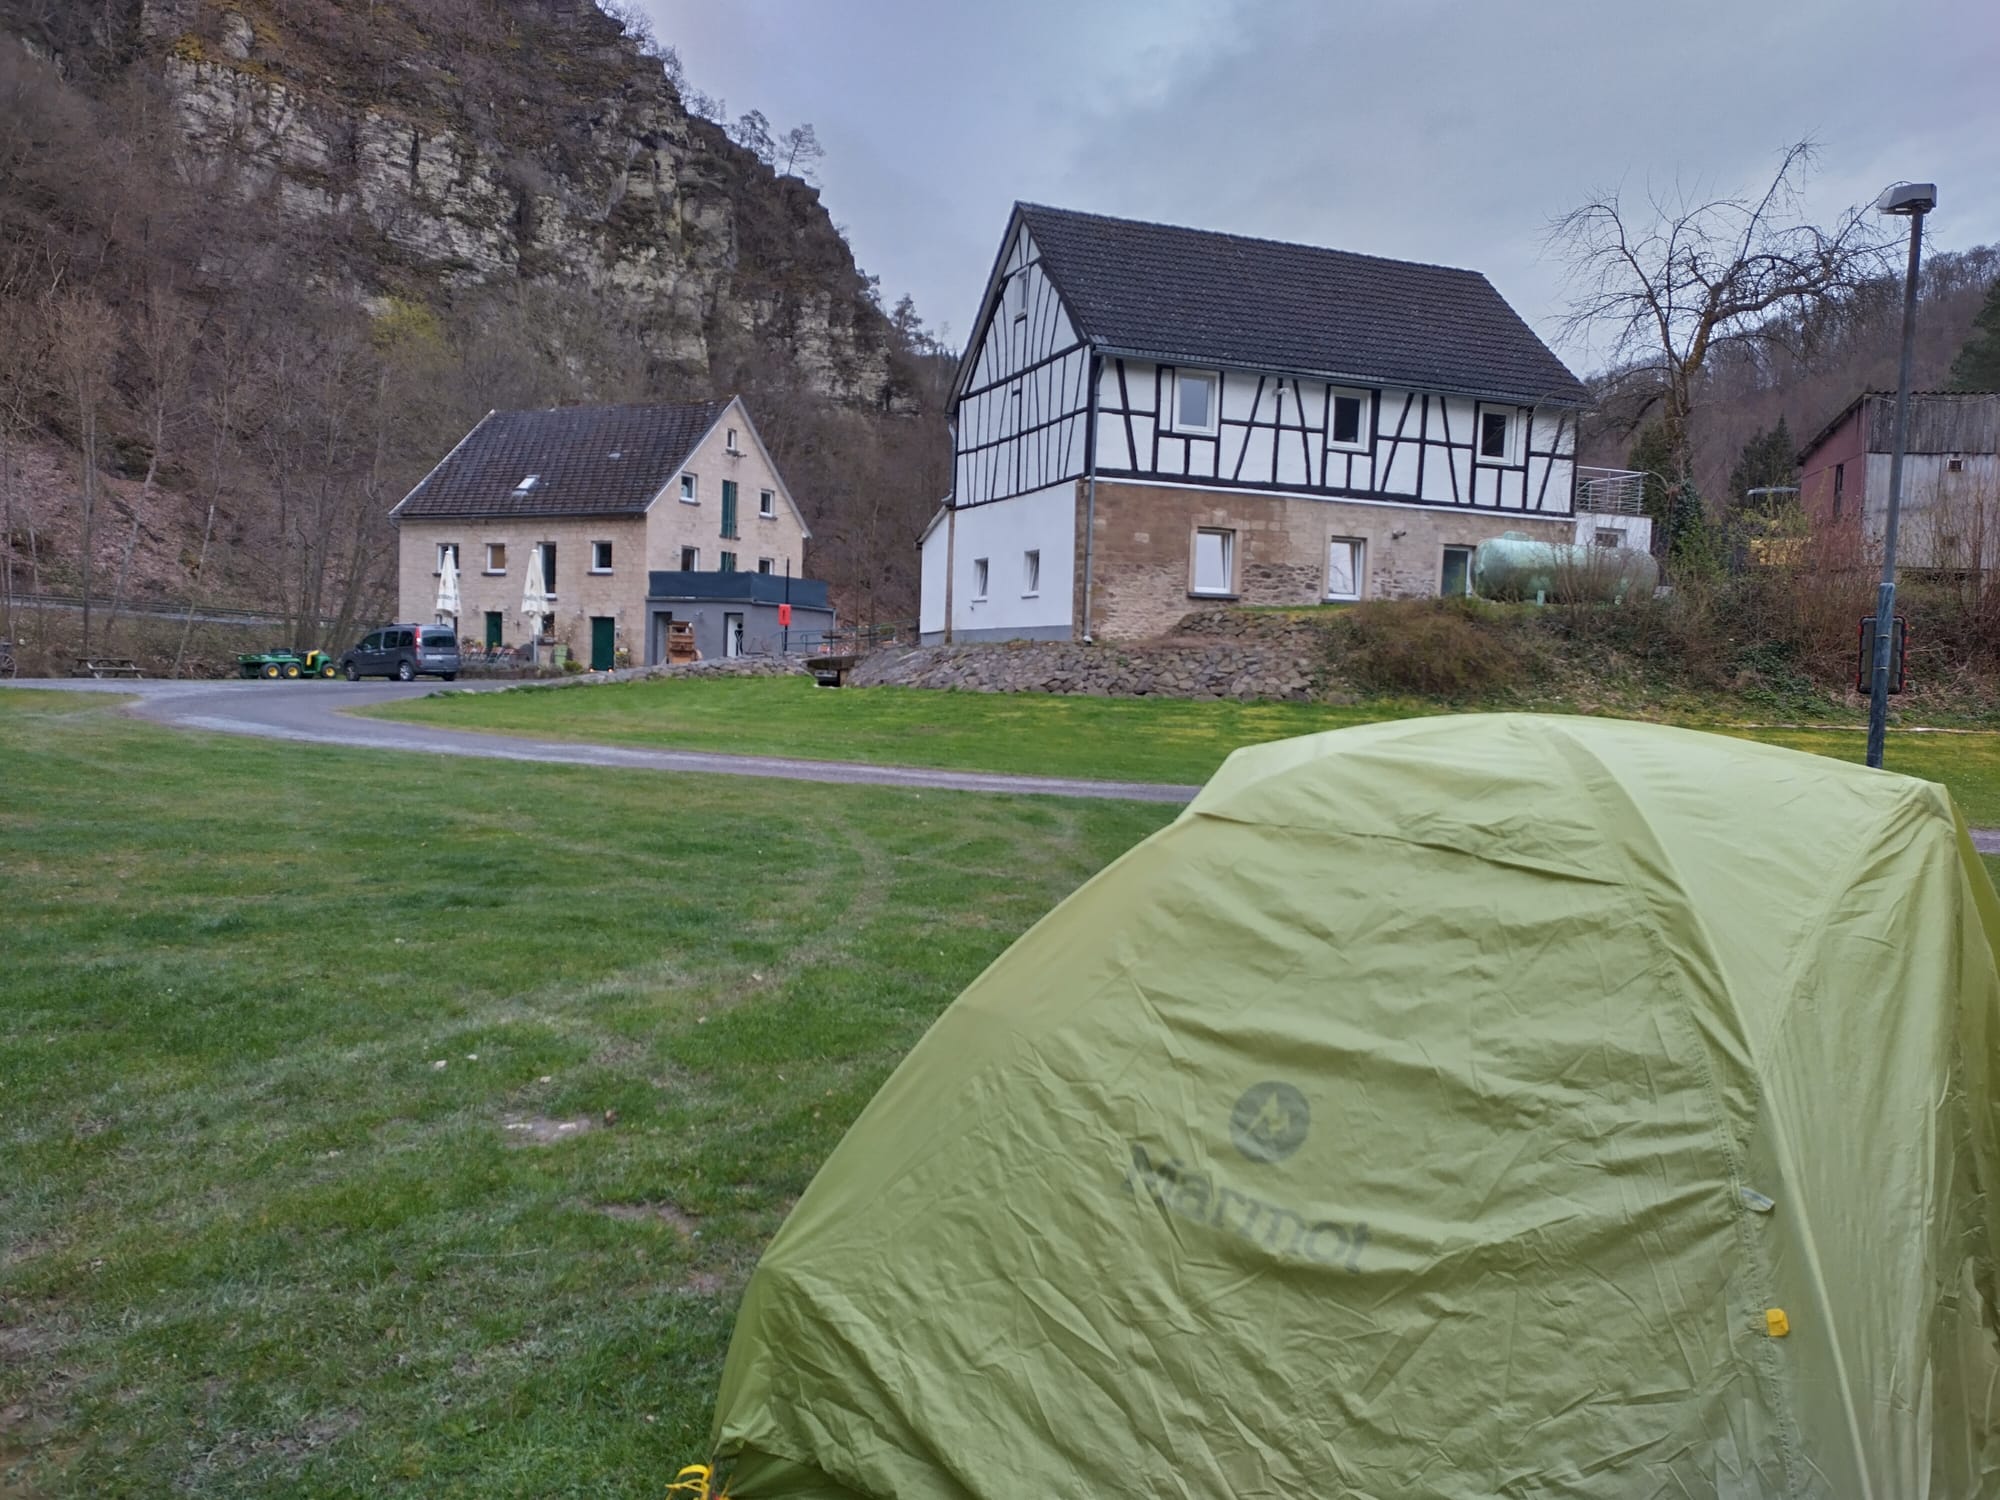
(616, 498)
(1148, 418)
(1950, 515)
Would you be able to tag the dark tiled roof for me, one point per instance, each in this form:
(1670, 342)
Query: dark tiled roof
(1198, 296)
(589, 461)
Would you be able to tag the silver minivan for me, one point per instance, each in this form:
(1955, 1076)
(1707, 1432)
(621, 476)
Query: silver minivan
(404, 652)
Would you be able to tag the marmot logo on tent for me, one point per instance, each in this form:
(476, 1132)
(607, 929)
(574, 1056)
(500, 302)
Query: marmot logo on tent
(1270, 1122)
(1193, 1196)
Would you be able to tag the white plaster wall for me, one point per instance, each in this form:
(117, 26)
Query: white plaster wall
(1638, 530)
(1001, 532)
(930, 602)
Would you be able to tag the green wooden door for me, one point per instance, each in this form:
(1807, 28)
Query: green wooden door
(603, 642)
(494, 620)
(729, 508)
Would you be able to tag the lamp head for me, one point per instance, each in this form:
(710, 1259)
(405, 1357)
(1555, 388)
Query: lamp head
(1908, 198)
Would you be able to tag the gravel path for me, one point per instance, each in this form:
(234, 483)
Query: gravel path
(310, 712)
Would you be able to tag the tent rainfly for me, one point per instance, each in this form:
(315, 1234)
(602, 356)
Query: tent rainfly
(1490, 1105)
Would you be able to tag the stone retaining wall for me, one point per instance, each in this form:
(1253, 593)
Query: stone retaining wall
(1214, 654)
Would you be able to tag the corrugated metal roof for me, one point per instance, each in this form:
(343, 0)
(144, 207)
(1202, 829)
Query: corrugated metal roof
(1940, 422)
(563, 461)
(1202, 297)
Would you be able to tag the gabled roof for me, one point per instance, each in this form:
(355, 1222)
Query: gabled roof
(1917, 400)
(585, 460)
(1195, 296)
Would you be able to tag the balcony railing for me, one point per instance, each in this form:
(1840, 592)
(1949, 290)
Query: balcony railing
(1610, 492)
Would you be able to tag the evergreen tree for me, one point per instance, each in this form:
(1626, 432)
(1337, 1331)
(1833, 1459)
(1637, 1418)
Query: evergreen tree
(1653, 456)
(1766, 462)
(1977, 367)
(1680, 526)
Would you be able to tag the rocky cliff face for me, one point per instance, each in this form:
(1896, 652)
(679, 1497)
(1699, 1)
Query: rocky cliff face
(442, 145)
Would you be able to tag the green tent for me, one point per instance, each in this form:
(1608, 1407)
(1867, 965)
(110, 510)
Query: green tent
(1496, 1105)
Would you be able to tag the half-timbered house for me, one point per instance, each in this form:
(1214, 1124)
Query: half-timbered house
(1148, 417)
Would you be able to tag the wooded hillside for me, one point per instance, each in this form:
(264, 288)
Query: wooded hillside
(263, 261)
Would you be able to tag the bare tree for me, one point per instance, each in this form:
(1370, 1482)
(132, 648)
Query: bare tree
(84, 343)
(1670, 284)
(753, 133)
(798, 152)
(162, 337)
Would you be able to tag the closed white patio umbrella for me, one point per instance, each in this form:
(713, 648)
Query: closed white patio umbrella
(447, 599)
(534, 597)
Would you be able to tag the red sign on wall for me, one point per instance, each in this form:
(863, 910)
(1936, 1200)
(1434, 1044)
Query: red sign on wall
(784, 614)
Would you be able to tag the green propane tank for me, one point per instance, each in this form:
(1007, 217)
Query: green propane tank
(1514, 565)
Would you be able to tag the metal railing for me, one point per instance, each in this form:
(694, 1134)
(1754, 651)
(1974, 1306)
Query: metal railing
(1610, 492)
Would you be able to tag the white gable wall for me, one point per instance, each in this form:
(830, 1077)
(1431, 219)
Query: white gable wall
(1021, 420)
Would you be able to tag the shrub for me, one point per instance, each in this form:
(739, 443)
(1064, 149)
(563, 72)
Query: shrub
(1434, 648)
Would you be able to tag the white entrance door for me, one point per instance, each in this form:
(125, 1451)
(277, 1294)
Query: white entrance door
(732, 635)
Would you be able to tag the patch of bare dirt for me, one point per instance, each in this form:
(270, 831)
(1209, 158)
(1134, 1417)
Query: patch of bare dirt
(685, 1224)
(540, 1130)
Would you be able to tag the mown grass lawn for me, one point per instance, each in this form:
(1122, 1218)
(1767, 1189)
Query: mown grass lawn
(1126, 739)
(288, 1042)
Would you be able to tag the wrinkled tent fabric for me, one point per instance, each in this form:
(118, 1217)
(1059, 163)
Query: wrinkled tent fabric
(1434, 1108)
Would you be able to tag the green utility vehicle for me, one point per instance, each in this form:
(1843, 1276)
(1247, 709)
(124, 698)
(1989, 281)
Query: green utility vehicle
(275, 664)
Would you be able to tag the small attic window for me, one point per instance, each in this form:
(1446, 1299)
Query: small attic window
(730, 446)
(527, 484)
(620, 454)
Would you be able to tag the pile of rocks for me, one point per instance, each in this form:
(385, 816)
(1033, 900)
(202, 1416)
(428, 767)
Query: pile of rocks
(1267, 657)
(736, 666)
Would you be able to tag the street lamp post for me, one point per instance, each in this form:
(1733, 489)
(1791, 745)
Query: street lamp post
(1912, 200)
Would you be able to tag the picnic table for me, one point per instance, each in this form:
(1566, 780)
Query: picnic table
(106, 666)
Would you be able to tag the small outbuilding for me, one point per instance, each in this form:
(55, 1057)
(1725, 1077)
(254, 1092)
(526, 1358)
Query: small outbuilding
(1487, 1105)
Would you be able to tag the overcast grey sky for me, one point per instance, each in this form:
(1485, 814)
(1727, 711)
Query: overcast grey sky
(1432, 130)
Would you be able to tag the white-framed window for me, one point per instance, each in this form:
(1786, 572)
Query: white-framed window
(729, 445)
(1214, 562)
(447, 550)
(1608, 537)
(1345, 556)
(1954, 466)
(527, 484)
(1497, 435)
(1031, 573)
(690, 559)
(979, 575)
(767, 503)
(600, 557)
(689, 490)
(496, 557)
(1196, 395)
(767, 565)
(1017, 294)
(1347, 421)
(1455, 576)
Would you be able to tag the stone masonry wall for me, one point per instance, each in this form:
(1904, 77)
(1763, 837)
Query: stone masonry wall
(1143, 544)
(1218, 654)
(580, 593)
